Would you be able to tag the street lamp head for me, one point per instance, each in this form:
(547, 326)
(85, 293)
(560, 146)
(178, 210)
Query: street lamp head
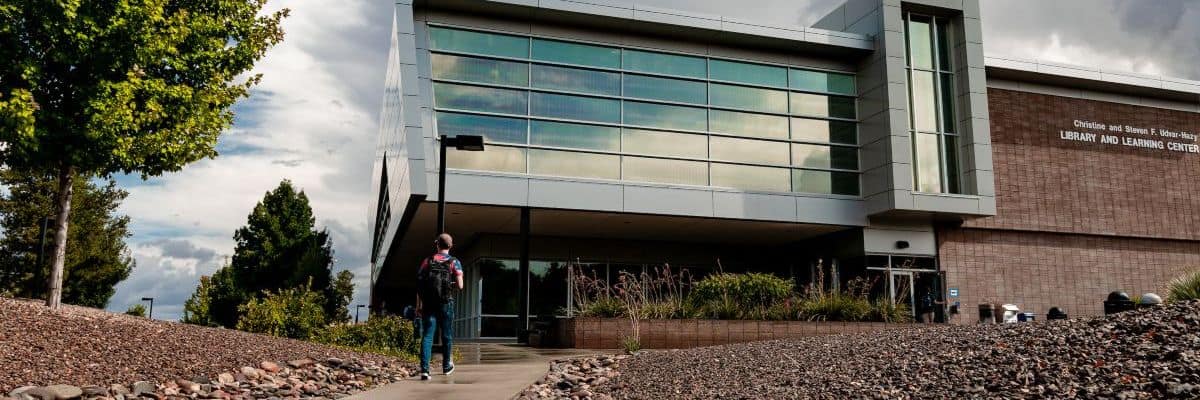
(147, 299)
(466, 142)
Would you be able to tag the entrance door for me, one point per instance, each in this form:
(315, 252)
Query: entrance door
(902, 291)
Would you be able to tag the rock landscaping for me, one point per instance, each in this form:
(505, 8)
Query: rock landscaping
(91, 354)
(1151, 353)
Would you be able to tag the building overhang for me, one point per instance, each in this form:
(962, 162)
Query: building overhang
(1088, 78)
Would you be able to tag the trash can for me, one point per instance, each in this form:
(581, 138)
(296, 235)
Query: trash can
(1026, 317)
(1056, 313)
(1010, 313)
(985, 314)
(1117, 302)
(1149, 300)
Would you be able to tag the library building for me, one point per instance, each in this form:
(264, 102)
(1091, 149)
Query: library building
(879, 143)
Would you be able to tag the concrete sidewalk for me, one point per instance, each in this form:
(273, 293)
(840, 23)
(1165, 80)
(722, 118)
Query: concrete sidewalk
(485, 371)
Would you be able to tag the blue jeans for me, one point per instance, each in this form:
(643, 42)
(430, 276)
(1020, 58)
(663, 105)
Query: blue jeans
(436, 318)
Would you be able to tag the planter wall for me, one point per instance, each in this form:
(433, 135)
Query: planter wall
(606, 333)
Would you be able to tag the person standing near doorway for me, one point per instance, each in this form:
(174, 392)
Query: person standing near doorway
(928, 305)
(438, 278)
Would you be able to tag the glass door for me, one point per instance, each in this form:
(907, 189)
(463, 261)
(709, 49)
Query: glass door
(498, 303)
(901, 289)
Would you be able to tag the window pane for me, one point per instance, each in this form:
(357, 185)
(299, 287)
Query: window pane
(475, 98)
(494, 129)
(809, 181)
(661, 63)
(480, 70)
(575, 53)
(951, 165)
(664, 143)
(478, 42)
(765, 100)
(927, 165)
(747, 177)
(664, 116)
(575, 107)
(748, 124)
(547, 288)
(748, 151)
(495, 158)
(822, 106)
(819, 130)
(749, 73)
(561, 134)
(945, 63)
(947, 100)
(576, 80)
(818, 156)
(649, 87)
(924, 106)
(818, 81)
(569, 163)
(920, 51)
(664, 171)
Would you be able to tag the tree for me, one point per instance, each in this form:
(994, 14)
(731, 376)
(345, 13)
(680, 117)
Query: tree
(95, 88)
(295, 313)
(136, 310)
(277, 249)
(98, 258)
(343, 294)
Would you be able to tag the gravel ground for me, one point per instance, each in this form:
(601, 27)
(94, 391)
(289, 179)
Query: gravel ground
(1140, 354)
(82, 346)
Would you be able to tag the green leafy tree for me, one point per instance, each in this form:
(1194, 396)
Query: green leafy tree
(95, 88)
(343, 294)
(296, 313)
(98, 258)
(136, 310)
(196, 308)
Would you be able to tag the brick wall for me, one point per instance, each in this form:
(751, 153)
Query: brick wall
(606, 333)
(1075, 220)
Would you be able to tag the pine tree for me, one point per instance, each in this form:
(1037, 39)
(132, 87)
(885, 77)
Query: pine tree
(98, 258)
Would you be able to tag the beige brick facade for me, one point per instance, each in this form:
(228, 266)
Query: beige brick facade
(1076, 219)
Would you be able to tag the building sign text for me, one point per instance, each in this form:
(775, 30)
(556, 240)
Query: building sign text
(1132, 136)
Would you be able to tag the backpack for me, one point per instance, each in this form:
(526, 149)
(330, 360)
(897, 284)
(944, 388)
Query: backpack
(435, 282)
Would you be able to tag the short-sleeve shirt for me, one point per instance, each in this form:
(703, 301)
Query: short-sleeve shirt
(458, 271)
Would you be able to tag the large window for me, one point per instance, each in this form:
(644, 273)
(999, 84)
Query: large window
(562, 108)
(932, 122)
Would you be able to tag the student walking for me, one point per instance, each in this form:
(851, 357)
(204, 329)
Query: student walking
(438, 278)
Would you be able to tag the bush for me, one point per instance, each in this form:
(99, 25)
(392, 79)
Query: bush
(604, 307)
(750, 295)
(136, 310)
(389, 335)
(1186, 287)
(631, 344)
(883, 310)
(296, 313)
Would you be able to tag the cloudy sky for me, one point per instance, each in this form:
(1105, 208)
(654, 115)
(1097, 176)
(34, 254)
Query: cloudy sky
(313, 119)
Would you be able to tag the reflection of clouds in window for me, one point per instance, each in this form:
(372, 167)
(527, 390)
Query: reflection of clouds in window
(748, 124)
(750, 177)
(927, 164)
(748, 151)
(664, 116)
(575, 107)
(749, 98)
(495, 158)
(494, 129)
(659, 143)
(667, 89)
(480, 98)
(578, 80)
(924, 113)
(480, 70)
(819, 130)
(564, 163)
(559, 134)
(664, 171)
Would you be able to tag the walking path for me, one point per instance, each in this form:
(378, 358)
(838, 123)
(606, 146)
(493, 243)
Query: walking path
(484, 371)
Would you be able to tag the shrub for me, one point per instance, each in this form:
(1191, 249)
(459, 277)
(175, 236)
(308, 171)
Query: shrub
(390, 335)
(725, 295)
(296, 313)
(604, 307)
(136, 310)
(884, 310)
(1186, 287)
(631, 344)
(835, 306)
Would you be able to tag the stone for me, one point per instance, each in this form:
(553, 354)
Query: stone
(201, 379)
(269, 366)
(141, 387)
(250, 373)
(94, 391)
(118, 389)
(225, 378)
(18, 391)
(55, 392)
(186, 386)
(301, 363)
(334, 361)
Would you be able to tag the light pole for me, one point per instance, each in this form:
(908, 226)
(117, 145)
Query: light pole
(460, 142)
(150, 315)
(359, 307)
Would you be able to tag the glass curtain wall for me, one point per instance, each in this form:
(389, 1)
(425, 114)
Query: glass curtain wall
(552, 107)
(932, 122)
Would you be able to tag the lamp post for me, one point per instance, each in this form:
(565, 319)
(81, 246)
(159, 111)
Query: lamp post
(459, 142)
(150, 315)
(359, 307)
